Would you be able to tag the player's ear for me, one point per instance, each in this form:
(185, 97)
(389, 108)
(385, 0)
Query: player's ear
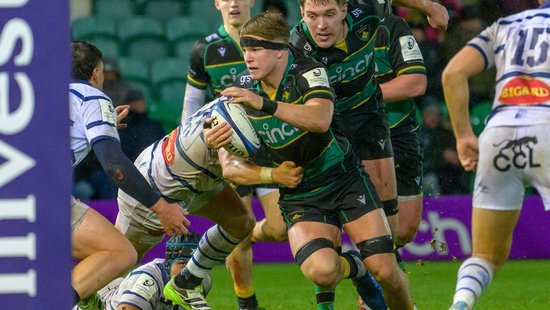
(344, 10)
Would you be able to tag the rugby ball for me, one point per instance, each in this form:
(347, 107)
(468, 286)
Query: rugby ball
(244, 141)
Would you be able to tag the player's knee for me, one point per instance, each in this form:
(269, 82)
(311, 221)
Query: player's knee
(320, 268)
(406, 235)
(124, 255)
(324, 275)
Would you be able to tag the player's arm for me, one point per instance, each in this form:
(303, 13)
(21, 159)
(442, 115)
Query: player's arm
(197, 81)
(404, 86)
(192, 101)
(408, 64)
(243, 172)
(465, 64)
(438, 17)
(128, 178)
(314, 116)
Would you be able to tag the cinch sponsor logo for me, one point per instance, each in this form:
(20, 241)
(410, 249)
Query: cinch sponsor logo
(228, 79)
(168, 147)
(340, 73)
(279, 134)
(525, 90)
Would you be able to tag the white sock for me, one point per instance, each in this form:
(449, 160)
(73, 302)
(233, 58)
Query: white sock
(473, 278)
(215, 245)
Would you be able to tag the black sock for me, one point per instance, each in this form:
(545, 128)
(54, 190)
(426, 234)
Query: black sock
(248, 303)
(187, 280)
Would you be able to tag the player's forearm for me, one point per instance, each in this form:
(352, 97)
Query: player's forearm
(404, 87)
(193, 100)
(123, 172)
(241, 172)
(314, 116)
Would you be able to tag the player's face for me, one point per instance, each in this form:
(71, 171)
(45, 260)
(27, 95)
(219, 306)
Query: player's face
(234, 12)
(325, 21)
(260, 62)
(177, 266)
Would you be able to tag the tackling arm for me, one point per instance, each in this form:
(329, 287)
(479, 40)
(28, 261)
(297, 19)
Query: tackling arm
(243, 172)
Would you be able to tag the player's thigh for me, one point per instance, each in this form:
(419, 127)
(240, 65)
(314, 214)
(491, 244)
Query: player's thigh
(96, 234)
(499, 184)
(138, 224)
(539, 170)
(304, 232)
(492, 233)
(270, 204)
(382, 171)
(371, 225)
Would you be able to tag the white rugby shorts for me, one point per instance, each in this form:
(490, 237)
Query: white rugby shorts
(511, 158)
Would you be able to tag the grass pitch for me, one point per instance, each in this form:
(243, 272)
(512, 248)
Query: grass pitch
(521, 285)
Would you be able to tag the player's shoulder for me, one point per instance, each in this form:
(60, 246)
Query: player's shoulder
(298, 35)
(86, 92)
(303, 63)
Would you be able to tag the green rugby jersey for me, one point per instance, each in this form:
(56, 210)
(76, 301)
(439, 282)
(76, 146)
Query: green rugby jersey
(351, 72)
(215, 61)
(321, 154)
(397, 53)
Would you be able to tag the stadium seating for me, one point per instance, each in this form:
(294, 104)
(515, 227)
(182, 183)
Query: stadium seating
(186, 27)
(143, 37)
(118, 9)
(109, 47)
(91, 27)
(205, 13)
(168, 78)
(163, 10)
(136, 72)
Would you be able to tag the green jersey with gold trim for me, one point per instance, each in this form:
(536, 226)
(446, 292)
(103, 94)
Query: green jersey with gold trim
(215, 61)
(350, 63)
(318, 153)
(397, 53)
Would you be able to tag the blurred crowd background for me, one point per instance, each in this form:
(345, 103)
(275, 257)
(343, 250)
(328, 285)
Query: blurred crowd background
(146, 46)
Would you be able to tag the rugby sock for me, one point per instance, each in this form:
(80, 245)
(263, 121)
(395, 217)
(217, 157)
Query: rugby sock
(324, 298)
(473, 278)
(353, 265)
(214, 246)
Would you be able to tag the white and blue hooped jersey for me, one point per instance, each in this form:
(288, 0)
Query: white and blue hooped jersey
(142, 288)
(180, 165)
(92, 118)
(518, 46)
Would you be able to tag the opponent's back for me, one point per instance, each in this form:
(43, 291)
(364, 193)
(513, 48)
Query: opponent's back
(518, 46)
